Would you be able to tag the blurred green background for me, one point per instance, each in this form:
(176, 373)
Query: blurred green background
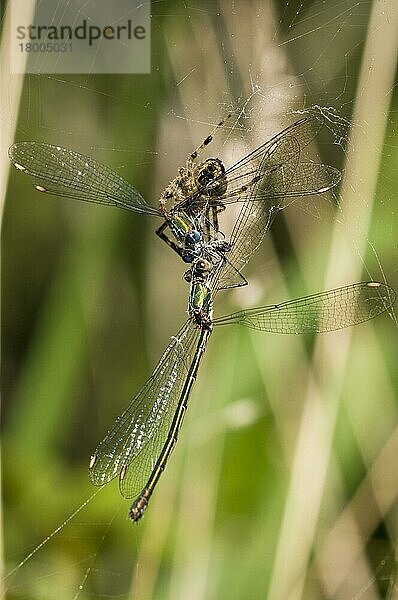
(284, 482)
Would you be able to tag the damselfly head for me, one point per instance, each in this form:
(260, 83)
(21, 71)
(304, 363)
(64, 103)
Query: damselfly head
(193, 237)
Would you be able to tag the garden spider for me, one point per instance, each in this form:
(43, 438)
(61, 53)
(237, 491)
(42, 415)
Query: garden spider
(196, 192)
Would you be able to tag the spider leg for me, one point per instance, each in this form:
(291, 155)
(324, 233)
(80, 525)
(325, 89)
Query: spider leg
(207, 225)
(217, 207)
(214, 213)
(167, 240)
(193, 156)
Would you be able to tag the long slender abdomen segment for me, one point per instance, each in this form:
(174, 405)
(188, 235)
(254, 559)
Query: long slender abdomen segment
(139, 506)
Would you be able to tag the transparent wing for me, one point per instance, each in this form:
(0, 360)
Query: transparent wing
(255, 219)
(280, 174)
(67, 173)
(309, 179)
(326, 311)
(139, 433)
(303, 131)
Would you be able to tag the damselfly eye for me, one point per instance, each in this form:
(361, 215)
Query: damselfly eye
(187, 257)
(192, 237)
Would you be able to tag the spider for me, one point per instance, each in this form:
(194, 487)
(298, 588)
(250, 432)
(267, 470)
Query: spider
(197, 191)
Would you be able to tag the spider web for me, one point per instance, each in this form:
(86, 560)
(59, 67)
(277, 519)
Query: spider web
(91, 298)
